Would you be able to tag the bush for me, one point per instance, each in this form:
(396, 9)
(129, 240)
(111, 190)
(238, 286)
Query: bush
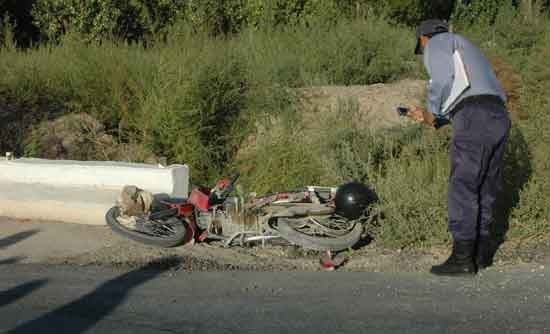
(176, 106)
(480, 12)
(281, 160)
(98, 19)
(90, 80)
(20, 19)
(7, 36)
(198, 125)
(412, 12)
(140, 19)
(349, 53)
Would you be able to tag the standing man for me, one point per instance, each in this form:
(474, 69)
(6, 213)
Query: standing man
(480, 130)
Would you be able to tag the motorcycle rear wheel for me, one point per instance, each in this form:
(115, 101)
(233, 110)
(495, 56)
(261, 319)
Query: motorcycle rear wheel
(175, 231)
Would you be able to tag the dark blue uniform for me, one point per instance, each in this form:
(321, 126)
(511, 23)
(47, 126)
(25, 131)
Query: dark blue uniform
(480, 130)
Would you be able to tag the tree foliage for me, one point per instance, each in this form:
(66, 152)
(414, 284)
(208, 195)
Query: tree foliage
(19, 19)
(131, 20)
(137, 20)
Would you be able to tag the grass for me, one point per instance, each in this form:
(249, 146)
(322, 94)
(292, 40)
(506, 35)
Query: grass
(223, 103)
(194, 98)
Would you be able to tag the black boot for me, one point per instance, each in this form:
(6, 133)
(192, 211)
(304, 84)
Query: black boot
(461, 261)
(484, 252)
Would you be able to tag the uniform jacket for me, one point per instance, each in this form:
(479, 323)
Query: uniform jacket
(439, 64)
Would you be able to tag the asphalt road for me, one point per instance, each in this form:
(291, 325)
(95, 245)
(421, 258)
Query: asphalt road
(57, 299)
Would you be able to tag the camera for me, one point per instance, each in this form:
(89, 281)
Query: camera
(402, 111)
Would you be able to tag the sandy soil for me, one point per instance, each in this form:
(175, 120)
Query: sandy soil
(375, 104)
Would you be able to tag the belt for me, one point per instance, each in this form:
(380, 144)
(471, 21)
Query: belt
(478, 99)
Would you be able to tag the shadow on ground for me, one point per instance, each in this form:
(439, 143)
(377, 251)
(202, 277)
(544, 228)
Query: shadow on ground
(11, 295)
(82, 314)
(11, 260)
(516, 174)
(13, 239)
(14, 294)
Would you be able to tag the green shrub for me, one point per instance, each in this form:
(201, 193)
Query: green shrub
(46, 84)
(282, 160)
(348, 53)
(530, 216)
(7, 35)
(139, 19)
(407, 167)
(20, 18)
(481, 12)
(411, 12)
(197, 125)
(98, 19)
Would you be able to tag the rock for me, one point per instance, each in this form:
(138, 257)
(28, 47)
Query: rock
(73, 136)
(82, 137)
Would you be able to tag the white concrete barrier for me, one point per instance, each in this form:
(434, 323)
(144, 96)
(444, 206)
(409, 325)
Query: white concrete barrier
(80, 205)
(76, 191)
(172, 180)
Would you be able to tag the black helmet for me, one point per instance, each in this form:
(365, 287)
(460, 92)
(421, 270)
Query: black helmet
(352, 199)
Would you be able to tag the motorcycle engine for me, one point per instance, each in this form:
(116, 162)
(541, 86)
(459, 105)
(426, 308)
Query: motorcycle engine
(232, 219)
(204, 220)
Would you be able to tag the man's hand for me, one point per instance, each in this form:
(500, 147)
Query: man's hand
(417, 114)
(420, 115)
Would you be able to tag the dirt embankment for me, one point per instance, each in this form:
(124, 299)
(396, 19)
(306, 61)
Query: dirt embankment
(373, 106)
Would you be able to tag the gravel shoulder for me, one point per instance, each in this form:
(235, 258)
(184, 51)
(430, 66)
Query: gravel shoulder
(31, 242)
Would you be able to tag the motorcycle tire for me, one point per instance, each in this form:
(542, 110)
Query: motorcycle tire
(348, 240)
(178, 237)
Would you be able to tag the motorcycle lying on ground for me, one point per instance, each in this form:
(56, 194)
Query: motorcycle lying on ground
(304, 217)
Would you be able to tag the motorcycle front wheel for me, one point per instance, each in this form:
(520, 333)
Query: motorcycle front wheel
(303, 233)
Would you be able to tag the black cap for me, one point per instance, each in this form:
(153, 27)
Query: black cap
(429, 28)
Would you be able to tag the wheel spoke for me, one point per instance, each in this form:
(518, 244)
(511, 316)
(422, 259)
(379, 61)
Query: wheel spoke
(322, 227)
(156, 228)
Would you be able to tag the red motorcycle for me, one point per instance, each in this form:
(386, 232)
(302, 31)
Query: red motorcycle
(304, 217)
